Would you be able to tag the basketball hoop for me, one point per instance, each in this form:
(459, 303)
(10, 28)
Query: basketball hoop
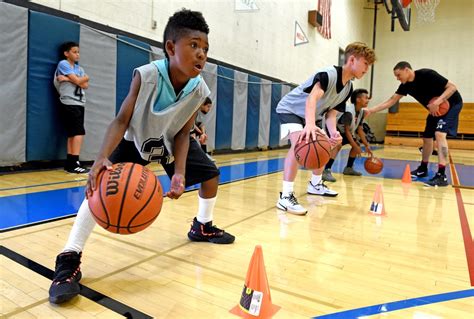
(425, 10)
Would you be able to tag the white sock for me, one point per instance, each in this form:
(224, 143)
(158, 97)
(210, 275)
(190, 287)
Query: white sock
(81, 230)
(206, 209)
(315, 179)
(287, 188)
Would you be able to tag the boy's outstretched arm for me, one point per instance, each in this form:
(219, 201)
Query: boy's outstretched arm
(384, 105)
(180, 152)
(114, 134)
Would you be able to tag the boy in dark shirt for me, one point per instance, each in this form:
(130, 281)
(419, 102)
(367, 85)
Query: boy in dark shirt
(424, 85)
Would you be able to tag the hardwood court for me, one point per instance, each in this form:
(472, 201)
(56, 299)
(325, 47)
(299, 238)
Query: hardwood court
(336, 258)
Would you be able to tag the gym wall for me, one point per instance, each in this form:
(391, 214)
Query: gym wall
(31, 130)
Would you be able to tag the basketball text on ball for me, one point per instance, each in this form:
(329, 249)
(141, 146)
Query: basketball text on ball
(141, 185)
(112, 182)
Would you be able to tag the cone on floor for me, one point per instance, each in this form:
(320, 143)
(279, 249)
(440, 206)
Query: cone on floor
(256, 301)
(406, 175)
(378, 204)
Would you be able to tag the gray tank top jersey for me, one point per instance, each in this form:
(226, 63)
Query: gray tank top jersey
(70, 93)
(355, 121)
(153, 132)
(295, 101)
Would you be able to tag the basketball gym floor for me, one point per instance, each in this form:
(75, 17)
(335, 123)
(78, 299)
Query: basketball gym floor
(338, 261)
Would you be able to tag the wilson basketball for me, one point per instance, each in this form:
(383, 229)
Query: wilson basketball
(315, 153)
(373, 165)
(127, 199)
(443, 107)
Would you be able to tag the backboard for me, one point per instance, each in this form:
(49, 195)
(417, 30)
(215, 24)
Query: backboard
(399, 12)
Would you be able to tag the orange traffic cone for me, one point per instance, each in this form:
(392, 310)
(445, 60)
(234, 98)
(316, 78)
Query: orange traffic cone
(256, 301)
(378, 204)
(406, 175)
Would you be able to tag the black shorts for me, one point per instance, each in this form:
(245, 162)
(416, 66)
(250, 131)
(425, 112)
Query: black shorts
(289, 118)
(72, 117)
(199, 168)
(447, 124)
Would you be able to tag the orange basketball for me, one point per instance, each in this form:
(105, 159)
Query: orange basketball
(127, 199)
(315, 153)
(373, 165)
(443, 107)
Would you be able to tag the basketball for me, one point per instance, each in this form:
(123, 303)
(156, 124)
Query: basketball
(373, 165)
(127, 199)
(443, 107)
(315, 153)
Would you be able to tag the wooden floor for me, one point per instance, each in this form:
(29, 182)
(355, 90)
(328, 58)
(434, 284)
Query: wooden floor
(336, 258)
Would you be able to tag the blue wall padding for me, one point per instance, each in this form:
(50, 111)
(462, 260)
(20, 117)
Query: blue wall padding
(45, 137)
(128, 58)
(274, 120)
(253, 112)
(225, 108)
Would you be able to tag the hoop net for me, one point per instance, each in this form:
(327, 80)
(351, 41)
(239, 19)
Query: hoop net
(425, 10)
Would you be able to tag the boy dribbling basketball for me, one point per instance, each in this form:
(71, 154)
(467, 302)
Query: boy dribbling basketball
(153, 124)
(303, 111)
(349, 121)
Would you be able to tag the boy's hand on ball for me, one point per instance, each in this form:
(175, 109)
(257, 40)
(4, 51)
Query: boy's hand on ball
(99, 164)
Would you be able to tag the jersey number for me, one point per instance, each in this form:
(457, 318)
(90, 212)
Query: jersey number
(78, 92)
(155, 148)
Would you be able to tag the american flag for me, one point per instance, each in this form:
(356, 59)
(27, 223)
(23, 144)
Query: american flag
(324, 8)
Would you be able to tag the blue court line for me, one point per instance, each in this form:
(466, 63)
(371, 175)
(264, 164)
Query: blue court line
(71, 181)
(392, 169)
(398, 305)
(30, 209)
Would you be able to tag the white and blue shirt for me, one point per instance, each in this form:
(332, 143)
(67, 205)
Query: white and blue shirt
(69, 93)
(160, 113)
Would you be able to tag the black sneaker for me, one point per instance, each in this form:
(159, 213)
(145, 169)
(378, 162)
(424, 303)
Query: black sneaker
(437, 180)
(419, 172)
(67, 274)
(209, 233)
(77, 169)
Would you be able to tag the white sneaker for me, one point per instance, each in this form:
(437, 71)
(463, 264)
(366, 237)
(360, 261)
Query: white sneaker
(320, 189)
(290, 204)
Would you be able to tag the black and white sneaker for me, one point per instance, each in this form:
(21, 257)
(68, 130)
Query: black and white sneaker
(290, 204)
(419, 172)
(320, 189)
(77, 169)
(437, 180)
